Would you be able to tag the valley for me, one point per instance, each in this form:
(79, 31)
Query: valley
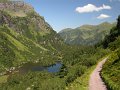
(33, 56)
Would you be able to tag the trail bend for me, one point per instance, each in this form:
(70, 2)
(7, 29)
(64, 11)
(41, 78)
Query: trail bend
(96, 82)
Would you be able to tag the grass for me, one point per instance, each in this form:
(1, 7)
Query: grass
(3, 79)
(16, 43)
(82, 83)
(111, 71)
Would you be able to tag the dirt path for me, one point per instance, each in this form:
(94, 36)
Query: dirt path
(95, 82)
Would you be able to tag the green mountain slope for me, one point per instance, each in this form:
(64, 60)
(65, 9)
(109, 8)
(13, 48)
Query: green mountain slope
(26, 37)
(111, 69)
(86, 34)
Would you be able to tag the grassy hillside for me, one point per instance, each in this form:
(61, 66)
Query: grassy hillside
(27, 38)
(111, 69)
(86, 34)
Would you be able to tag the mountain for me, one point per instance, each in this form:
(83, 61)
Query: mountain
(25, 36)
(86, 34)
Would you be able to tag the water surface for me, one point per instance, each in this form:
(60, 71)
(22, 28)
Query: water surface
(37, 67)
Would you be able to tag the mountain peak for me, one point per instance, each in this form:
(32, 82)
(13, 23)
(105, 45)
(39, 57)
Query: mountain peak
(16, 8)
(85, 26)
(86, 34)
(105, 23)
(65, 30)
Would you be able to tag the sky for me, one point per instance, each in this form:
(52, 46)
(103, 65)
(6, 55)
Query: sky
(61, 14)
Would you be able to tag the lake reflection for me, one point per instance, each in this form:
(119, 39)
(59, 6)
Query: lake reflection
(36, 67)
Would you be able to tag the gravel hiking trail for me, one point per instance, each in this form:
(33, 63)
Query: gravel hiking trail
(96, 82)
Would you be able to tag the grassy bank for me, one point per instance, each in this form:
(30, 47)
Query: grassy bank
(3, 79)
(111, 71)
(82, 83)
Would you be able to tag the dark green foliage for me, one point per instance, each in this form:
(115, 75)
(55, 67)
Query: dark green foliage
(35, 81)
(118, 24)
(114, 33)
(114, 45)
(63, 71)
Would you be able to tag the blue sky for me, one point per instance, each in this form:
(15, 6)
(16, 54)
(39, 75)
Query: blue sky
(62, 14)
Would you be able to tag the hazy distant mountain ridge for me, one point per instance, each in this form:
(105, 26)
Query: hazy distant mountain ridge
(86, 34)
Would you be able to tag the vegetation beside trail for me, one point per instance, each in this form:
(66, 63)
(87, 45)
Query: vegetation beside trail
(30, 38)
(82, 58)
(111, 69)
(82, 82)
(3, 79)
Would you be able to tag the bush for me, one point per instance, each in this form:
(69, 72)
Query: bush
(111, 70)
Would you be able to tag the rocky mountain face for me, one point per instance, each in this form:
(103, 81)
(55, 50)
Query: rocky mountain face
(15, 7)
(26, 37)
(86, 34)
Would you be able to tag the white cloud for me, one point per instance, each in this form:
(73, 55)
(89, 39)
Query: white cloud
(91, 8)
(103, 16)
(113, 0)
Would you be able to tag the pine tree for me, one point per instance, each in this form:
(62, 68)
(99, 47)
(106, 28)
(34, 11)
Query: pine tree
(118, 24)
